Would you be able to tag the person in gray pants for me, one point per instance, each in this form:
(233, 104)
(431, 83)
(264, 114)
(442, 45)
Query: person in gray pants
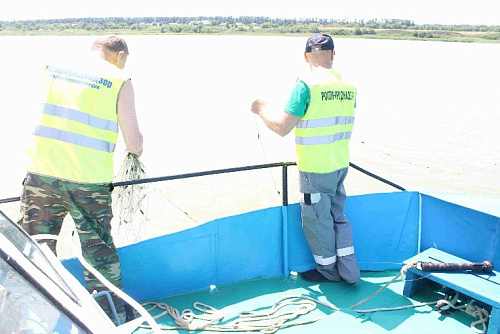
(321, 112)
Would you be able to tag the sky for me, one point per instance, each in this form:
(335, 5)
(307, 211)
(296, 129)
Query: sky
(476, 12)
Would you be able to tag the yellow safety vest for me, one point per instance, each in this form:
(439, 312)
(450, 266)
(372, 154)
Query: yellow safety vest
(322, 136)
(76, 137)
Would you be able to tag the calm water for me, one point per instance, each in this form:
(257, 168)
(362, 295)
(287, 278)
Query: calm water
(428, 114)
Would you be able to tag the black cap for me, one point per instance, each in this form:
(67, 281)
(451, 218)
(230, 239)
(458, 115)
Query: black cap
(320, 42)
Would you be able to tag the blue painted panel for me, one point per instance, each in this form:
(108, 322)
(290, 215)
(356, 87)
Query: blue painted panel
(75, 268)
(460, 231)
(300, 257)
(165, 265)
(250, 246)
(483, 203)
(168, 266)
(385, 228)
(219, 252)
(385, 231)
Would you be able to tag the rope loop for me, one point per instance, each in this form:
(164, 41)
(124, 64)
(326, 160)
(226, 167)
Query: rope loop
(204, 308)
(266, 321)
(450, 301)
(477, 312)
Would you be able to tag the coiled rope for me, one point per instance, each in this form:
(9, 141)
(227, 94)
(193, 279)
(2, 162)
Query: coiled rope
(267, 321)
(471, 309)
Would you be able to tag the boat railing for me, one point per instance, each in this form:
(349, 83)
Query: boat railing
(284, 174)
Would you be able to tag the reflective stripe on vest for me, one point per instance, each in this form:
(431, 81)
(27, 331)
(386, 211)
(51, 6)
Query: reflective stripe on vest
(322, 136)
(77, 135)
(322, 140)
(75, 115)
(316, 123)
(75, 138)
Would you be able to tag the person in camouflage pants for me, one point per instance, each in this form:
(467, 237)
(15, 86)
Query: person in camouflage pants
(70, 165)
(45, 201)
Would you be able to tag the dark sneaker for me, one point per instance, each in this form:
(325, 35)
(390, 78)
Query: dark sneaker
(314, 276)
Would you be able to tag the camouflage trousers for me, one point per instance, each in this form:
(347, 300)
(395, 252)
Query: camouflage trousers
(46, 201)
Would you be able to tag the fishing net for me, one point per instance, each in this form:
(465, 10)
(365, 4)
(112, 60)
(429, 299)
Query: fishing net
(130, 222)
(143, 210)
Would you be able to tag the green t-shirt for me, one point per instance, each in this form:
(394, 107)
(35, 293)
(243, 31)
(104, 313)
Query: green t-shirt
(299, 99)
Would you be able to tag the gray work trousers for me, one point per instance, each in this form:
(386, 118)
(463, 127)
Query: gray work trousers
(327, 230)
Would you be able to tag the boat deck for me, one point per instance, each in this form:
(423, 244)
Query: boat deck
(262, 294)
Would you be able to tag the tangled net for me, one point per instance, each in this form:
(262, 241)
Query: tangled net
(129, 200)
(143, 210)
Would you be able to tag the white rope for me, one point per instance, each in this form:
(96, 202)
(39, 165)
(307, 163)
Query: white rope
(471, 309)
(480, 313)
(396, 308)
(445, 304)
(405, 268)
(185, 318)
(402, 273)
(266, 322)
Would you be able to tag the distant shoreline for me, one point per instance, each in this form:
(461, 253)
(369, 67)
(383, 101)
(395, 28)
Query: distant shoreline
(393, 29)
(384, 34)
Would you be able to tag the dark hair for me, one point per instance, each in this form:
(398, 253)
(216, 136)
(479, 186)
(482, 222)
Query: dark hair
(112, 43)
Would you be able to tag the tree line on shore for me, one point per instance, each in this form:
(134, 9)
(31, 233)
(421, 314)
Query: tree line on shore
(376, 28)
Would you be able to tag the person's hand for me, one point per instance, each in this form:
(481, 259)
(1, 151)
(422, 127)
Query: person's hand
(257, 106)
